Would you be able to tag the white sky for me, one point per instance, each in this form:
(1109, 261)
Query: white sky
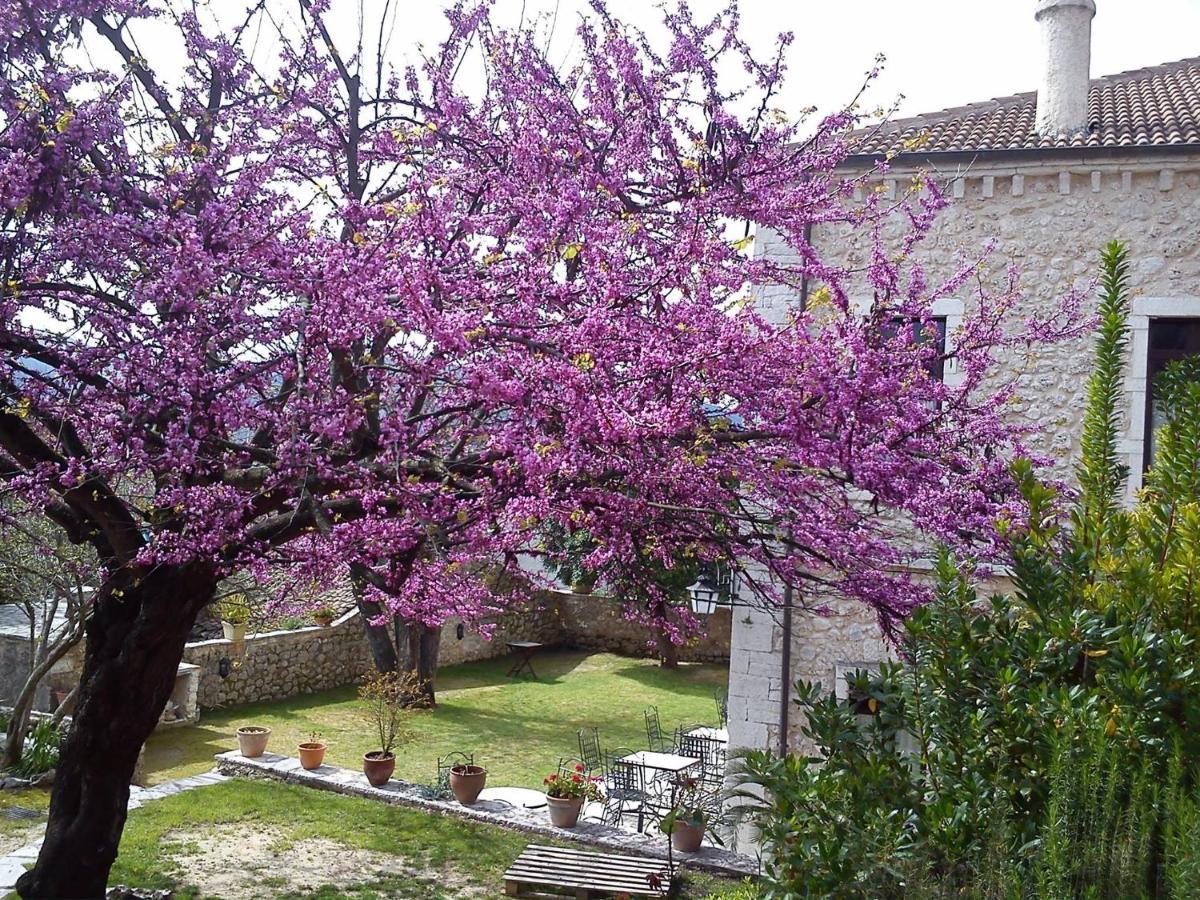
(940, 52)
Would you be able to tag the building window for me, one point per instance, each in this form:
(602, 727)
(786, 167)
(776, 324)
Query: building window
(927, 331)
(1170, 339)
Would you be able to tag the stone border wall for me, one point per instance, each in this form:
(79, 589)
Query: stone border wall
(595, 623)
(279, 664)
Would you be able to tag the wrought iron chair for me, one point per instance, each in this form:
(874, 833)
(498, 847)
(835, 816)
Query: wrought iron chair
(567, 764)
(448, 762)
(722, 699)
(709, 750)
(589, 748)
(655, 738)
(625, 792)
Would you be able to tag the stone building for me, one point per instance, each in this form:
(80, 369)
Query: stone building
(1051, 176)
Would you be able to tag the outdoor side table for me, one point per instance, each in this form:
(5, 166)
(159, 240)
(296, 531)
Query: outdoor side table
(524, 661)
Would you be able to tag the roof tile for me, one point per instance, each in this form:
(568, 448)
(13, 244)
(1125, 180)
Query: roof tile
(1156, 106)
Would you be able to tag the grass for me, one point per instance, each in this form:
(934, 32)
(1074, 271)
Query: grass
(420, 854)
(518, 729)
(32, 798)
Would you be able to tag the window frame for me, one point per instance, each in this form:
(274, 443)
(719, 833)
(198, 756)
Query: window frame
(1156, 361)
(1132, 444)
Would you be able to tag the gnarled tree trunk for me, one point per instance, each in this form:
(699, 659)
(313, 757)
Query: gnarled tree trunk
(419, 648)
(135, 640)
(383, 652)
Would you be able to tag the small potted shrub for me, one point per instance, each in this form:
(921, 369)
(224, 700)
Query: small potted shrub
(235, 614)
(312, 751)
(323, 616)
(252, 740)
(687, 821)
(466, 781)
(566, 794)
(387, 696)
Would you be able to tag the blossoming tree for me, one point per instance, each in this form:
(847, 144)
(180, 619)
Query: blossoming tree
(293, 308)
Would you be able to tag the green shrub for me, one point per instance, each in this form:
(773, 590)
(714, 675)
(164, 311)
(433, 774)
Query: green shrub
(1039, 744)
(41, 751)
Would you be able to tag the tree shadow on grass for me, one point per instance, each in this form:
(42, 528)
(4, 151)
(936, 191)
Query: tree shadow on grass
(551, 666)
(690, 679)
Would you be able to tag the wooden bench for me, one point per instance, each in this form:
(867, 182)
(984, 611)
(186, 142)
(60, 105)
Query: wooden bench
(559, 870)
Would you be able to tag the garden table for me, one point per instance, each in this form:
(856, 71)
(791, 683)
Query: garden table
(524, 651)
(515, 796)
(660, 762)
(712, 734)
(655, 762)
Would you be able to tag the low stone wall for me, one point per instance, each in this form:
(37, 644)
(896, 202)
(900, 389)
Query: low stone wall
(279, 664)
(595, 623)
(538, 621)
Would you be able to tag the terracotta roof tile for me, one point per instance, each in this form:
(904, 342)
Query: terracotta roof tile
(1154, 107)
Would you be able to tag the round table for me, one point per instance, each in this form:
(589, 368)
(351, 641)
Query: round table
(515, 796)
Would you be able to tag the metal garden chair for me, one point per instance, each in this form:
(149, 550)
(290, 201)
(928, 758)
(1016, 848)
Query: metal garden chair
(655, 738)
(625, 792)
(589, 748)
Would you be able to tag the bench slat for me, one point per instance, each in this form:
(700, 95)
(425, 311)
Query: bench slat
(582, 879)
(603, 865)
(589, 854)
(582, 871)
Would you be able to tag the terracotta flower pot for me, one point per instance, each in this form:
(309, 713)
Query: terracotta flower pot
(564, 811)
(686, 837)
(233, 632)
(323, 621)
(378, 767)
(466, 782)
(312, 754)
(252, 740)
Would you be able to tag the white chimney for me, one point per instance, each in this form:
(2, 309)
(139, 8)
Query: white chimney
(1062, 100)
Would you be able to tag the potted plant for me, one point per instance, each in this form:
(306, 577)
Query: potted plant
(566, 794)
(235, 613)
(312, 751)
(252, 740)
(687, 821)
(323, 616)
(385, 695)
(466, 781)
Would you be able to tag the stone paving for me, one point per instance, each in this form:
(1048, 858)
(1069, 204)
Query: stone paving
(14, 864)
(531, 821)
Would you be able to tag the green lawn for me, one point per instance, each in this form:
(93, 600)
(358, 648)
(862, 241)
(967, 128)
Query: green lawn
(252, 839)
(518, 729)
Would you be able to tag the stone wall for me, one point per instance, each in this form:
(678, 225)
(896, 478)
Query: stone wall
(536, 622)
(596, 623)
(280, 664)
(1051, 221)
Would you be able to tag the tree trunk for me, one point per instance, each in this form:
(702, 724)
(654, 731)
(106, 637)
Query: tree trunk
(668, 653)
(135, 640)
(420, 645)
(14, 740)
(383, 651)
(14, 744)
